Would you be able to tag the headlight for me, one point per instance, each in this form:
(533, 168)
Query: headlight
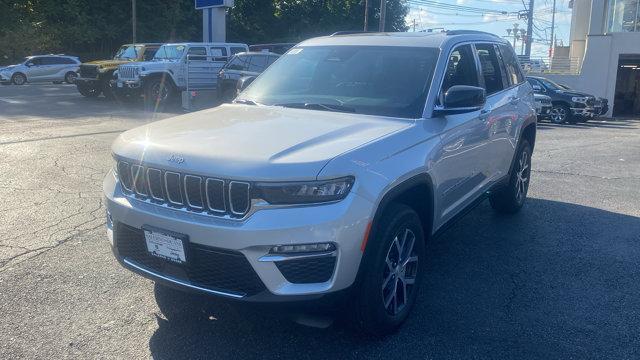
(306, 192)
(579, 99)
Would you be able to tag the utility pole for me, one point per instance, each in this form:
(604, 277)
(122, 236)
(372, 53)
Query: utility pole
(383, 14)
(529, 30)
(133, 20)
(513, 31)
(366, 15)
(414, 25)
(552, 46)
(525, 40)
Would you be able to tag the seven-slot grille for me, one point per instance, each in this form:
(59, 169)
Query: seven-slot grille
(192, 192)
(127, 72)
(88, 71)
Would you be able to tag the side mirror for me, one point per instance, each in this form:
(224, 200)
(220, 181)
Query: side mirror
(461, 99)
(30, 64)
(537, 88)
(244, 82)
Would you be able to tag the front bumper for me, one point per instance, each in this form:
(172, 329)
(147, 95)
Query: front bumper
(544, 110)
(5, 78)
(586, 112)
(342, 223)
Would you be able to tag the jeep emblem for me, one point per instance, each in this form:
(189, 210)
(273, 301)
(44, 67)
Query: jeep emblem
(175, 159)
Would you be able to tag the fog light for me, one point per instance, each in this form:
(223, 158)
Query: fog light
(304, 248)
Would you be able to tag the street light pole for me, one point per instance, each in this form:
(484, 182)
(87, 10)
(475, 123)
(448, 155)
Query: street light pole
(133, 20)
(553, 27)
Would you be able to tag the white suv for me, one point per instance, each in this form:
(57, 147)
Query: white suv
(329, 173)
(174, 68)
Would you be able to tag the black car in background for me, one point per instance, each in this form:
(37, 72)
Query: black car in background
(567, 105)
(239, 66)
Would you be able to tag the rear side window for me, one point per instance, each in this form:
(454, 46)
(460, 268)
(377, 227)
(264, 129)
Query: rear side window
(257, 63)
(511, 65)
(50, 60)
(238, 63)
(461, 69)
(218, 53)
(197, 53)
(494, 79)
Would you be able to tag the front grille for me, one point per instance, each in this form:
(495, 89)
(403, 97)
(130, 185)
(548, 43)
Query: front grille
(89, 71)
(307, 271)
(207, 267)
(191, 192)
(590, 102)
(127, 72)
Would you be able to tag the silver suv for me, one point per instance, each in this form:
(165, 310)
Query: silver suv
(328, 174)
(42, 68)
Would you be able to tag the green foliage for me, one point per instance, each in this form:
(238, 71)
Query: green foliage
(94, 29)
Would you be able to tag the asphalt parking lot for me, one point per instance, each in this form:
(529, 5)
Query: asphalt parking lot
(559, 280)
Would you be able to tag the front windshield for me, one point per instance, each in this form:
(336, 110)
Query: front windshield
(128, 52)
(171, 52)
(375, 80)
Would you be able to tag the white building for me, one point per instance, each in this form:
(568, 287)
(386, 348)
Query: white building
(605, 51)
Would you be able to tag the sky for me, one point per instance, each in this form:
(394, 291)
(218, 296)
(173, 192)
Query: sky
(429, 17)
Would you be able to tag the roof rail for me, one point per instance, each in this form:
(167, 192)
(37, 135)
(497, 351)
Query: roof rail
(349, 32)
(469, 32)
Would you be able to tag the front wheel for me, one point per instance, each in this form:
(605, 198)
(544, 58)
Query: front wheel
(511, 198)
(394, 269)
(18, 79)
(158, 93)
(560, 113)
(88, 90)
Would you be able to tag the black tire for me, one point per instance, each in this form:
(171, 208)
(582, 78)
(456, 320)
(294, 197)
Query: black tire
(107, 90)
(88, 91)
(19, 79)
(382, 273)
(70, 77)
(560, 113)
(158, 93)
(510, 199)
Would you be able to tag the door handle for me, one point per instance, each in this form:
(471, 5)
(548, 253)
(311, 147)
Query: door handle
(514, 100)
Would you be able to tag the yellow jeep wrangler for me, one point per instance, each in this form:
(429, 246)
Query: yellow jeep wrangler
(96, 77)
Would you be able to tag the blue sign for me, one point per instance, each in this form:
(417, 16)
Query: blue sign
(203, 4)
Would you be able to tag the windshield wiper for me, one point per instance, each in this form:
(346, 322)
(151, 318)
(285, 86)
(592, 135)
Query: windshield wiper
(319, 106)
(245, 102)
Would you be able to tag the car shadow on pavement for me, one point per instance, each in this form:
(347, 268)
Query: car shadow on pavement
(557, 280)
(601, 123)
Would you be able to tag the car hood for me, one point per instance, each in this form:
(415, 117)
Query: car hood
(573, 93)
(245, 142)
(108, 63)
(5, 68)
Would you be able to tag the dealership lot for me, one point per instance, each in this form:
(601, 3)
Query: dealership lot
(558, 280)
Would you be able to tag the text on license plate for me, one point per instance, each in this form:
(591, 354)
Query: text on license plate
(165, 246)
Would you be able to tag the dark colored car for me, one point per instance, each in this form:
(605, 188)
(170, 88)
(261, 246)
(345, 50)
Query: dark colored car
(239, 66)
(568, 105)
(543, 105)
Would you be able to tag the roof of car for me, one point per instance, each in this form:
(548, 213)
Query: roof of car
(145, 44)
(206, 44)
(258, 53)
(421, 39)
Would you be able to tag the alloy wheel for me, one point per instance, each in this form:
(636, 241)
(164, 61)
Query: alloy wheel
(558, 114)
(19, 79)
(399, 275)
(522, 177)
(71, 78)
(159, 92)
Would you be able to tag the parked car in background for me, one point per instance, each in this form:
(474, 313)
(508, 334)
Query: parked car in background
(41, 68)
(327, 176)
(96, 77)
(173, 68)
(567, 105)
(279, 48)
(543, 105)
(240, 65)
(533, 65)
(601, 105)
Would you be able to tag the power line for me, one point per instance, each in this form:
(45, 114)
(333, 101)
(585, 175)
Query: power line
(461, 8)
